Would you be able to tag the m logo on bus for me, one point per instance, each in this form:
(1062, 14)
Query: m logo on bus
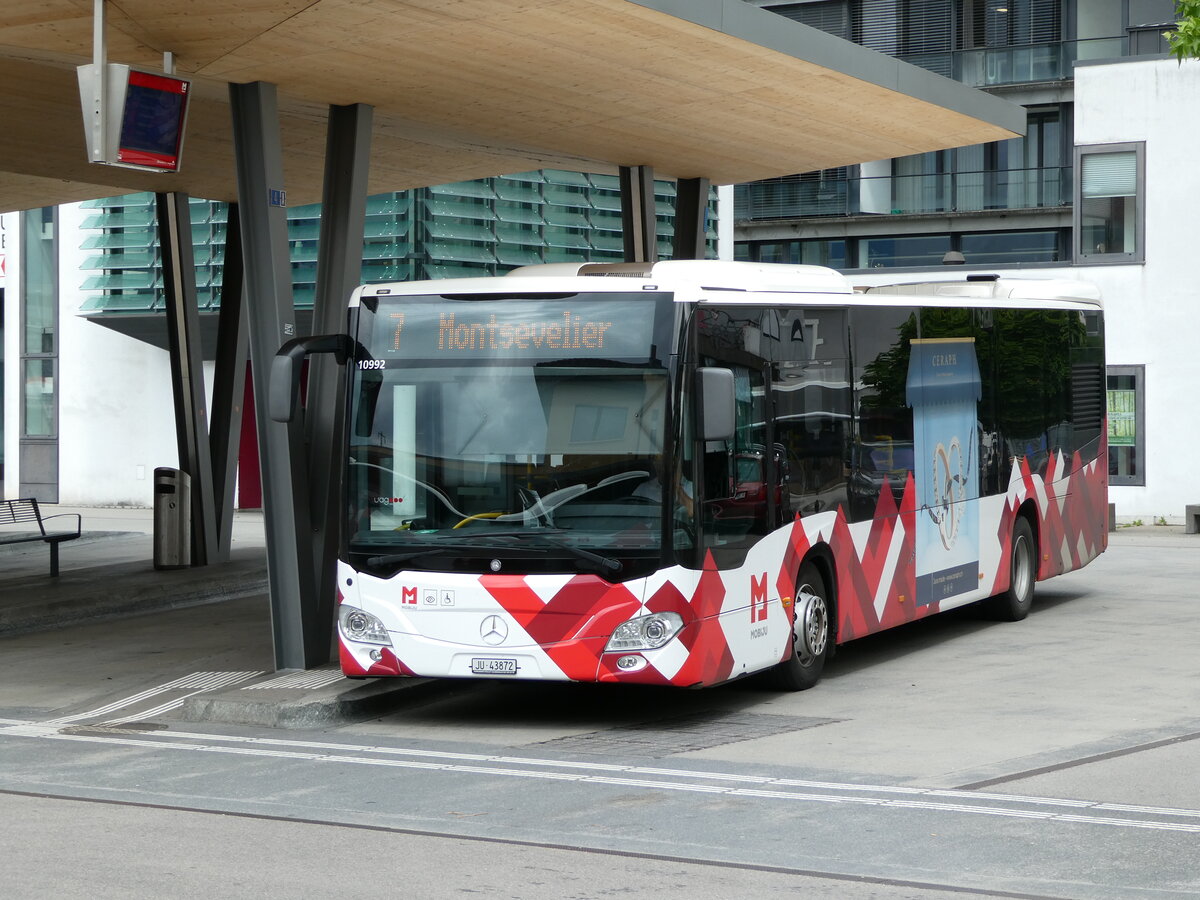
(408, 595)
(758, 598)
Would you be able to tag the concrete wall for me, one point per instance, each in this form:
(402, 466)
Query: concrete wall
(1152, 308)
(115, 409)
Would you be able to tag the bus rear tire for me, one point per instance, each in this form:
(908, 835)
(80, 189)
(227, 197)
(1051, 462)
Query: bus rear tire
(811, 634)
(1013, 605)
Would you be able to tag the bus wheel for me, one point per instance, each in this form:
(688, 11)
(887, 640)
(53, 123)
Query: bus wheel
(1013, 605)
(810, 634)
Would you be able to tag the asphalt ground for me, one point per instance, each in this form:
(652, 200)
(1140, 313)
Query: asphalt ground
(1054, 757)
(1102, 643)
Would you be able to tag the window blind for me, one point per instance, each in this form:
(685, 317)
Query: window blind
(1108, 174)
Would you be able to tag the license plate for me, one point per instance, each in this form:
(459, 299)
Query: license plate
(490, 666)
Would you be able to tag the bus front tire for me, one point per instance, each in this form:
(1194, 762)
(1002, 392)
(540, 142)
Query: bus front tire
(1013, 605)
(811, 634)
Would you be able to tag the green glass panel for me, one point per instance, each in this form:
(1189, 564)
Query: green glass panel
(556, 237)
(518, 214)
(460, 209)
(608, 242)
(375, 274)
(393, 250)
(126, 301)
(307, 230)
(607, 222)
(460, 231)
(518, 256)
(557, 255)
(104, 261)
(118, 240)
(520, 192)
(511, 234)
(531, 177)
(565, 218)
(445, 250)
(304, 296)
(480, 189)
(389, 204)
(605, 200)
(558, 176)
(441, 271)
(387, 227)
(131, 219)
(119, 280)
(564, 196)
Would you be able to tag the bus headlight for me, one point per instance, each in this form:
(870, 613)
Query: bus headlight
(362, 626)
(645, 632)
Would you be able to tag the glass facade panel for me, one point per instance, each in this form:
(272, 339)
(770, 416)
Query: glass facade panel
(997, 247)
(1108, 212)
(918, 250)
(1126, 425)
(37, 397)
(452, 230)
(38, 275)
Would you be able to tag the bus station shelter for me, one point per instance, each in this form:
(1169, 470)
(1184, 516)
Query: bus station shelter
(298, 101)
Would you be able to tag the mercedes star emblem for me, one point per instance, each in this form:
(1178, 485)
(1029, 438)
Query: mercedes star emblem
(493, 630)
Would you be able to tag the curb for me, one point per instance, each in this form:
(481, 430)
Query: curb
(340, 703)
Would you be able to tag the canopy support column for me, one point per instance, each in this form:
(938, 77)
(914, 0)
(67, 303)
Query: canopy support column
(637, 214)
(339, 271)
(286, 517)
(229, 381)
(187, 369)
(691, 214)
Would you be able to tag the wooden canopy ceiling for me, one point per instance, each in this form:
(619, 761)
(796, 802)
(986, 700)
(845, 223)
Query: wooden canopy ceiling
(470, 88)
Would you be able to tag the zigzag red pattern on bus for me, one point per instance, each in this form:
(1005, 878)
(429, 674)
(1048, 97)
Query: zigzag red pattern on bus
(1080, 522)
(859, 578)
(553, 624)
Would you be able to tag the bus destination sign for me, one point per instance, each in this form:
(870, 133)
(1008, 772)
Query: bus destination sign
(516, 329)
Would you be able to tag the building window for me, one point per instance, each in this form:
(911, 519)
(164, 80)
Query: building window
(1126, 425)
(1110, 208)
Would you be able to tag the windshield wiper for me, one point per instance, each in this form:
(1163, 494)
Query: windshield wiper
(607, 564)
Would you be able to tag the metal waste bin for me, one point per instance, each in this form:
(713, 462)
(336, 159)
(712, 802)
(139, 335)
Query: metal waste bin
(172, 518)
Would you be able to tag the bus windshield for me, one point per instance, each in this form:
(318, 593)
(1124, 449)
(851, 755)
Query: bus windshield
(503, 433)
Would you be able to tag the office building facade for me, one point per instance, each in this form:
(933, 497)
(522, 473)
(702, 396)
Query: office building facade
(1098, 189)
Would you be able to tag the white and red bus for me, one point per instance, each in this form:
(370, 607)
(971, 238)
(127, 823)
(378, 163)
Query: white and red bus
(683, 473)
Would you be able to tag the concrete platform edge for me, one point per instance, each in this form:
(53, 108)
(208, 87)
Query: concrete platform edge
(338, 704)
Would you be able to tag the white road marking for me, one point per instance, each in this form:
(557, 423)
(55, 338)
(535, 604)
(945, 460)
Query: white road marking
(196, 683)
(316, 678)
(630, 776)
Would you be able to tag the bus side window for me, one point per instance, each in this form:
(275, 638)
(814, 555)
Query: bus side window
(734, 497)
(810, 393)
(881, 451)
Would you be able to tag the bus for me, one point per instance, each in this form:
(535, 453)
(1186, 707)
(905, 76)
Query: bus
(687, 472)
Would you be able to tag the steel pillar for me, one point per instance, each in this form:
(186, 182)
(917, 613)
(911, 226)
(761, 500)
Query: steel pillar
(286, 518)
(637, 214)
(187, 370)
(229, 382)
(691, 214)
(339, 271)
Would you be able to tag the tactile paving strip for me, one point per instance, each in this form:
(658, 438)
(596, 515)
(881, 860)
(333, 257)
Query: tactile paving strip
(697, 731)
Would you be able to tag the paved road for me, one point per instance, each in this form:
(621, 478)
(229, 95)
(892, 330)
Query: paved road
(1049, 758)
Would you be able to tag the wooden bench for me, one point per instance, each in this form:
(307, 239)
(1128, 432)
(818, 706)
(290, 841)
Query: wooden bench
(25, 514)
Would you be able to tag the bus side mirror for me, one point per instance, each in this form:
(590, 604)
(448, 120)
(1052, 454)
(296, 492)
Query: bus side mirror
(284, 387)
(716, 407)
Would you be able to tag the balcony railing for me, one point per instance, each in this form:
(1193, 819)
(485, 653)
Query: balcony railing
(793, 198)
(1026, 63)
